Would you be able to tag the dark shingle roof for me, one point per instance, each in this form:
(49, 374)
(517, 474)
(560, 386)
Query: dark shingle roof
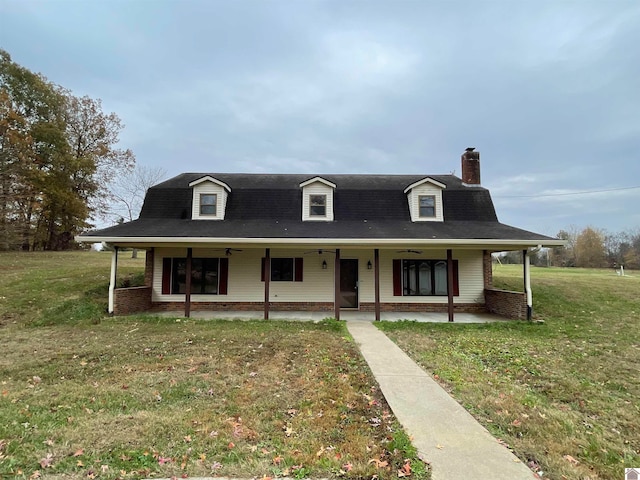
(365, 206)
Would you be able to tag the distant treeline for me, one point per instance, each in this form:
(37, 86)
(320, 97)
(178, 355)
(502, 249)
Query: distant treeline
(590, 248)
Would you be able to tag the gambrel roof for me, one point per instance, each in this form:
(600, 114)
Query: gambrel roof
(365, 207)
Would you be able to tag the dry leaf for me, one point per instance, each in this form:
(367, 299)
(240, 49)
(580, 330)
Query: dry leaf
(379, 463)
(405, 471)
(571, 460)
(47, 462)
(78, 452)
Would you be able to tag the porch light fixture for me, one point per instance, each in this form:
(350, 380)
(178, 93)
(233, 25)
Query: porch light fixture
(369, 265)
(324, 264)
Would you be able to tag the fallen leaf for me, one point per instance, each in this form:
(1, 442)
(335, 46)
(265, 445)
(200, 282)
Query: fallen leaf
(277, 460)
(47, 461)
(78, 452)
(187, 438)
(571, 460)
(439, 447)
(104, 468)
(35, 475)
(79, 463)
(379, 463)
(347, 467)
(288, 431)
(231, 445)
(405, 471)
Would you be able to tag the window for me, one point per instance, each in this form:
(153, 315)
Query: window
(318, 205)
(284, 269)
(208, 204)
(424, 277)
(204, 276)
(427, 205)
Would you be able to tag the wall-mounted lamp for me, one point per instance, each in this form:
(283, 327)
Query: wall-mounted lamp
(369, 265)
(324, 264)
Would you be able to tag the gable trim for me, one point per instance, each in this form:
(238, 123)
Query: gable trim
(424, 180)
(209, 178)
(317, 179)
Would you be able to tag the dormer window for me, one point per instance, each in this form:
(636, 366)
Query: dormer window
(425, 200)
(427, 206)
(210, 197)
(318, 205)
(317, 200)
(208, 204)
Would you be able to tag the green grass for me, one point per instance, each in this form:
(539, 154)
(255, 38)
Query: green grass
(565, 394)
(84, 395)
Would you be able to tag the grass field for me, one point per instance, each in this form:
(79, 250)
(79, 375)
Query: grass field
(83, 395)
(564, 395)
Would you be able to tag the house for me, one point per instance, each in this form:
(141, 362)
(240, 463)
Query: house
(220, 241)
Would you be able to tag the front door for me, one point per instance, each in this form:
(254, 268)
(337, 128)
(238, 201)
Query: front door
(348, 283)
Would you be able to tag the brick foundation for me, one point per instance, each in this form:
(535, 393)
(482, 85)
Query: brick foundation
(243, 306)
(424, 307)
(131, 300)
(506, 304)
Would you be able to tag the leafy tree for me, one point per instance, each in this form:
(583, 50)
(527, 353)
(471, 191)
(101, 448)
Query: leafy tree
(57, 156)
(590, 248)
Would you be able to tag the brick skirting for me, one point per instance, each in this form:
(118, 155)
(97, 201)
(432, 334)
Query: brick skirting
(131, 300)
(505, 303)
(423, 307)
(243, 306)
(312, 307)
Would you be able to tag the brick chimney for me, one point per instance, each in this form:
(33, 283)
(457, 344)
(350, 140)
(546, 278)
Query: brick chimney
(471, 167)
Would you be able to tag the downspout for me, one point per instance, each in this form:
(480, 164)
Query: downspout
(376, 273)
(112, 279)
(527, 282)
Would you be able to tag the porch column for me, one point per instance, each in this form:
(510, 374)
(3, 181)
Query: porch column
(267, 279)
(376, 276)
(187, 287)
(336, 280)
(527, 282)
(450, 284)
(112, 278)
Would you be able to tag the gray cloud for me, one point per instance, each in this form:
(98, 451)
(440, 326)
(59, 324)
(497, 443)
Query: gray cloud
(547, 91)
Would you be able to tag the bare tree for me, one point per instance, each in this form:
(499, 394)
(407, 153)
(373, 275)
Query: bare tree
(128, 192)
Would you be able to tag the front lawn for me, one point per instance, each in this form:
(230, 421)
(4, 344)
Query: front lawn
(565, 395)
(83, 395)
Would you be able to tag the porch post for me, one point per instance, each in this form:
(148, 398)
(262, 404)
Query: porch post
(112, 278)
(187, 287)
(527, 282)
(450, 284)
(336, 280)
(376, 274)
(267, 278)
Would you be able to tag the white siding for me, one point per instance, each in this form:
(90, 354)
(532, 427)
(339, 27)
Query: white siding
(317, 188)
(245, 285)
(414, 208)
(221, 204)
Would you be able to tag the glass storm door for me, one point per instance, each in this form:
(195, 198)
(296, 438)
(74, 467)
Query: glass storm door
(348, 283)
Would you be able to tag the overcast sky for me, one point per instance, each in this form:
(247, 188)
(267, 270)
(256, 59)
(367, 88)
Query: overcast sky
(548, 92)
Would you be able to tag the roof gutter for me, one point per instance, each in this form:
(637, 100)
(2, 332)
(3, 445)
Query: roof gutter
(390, 242)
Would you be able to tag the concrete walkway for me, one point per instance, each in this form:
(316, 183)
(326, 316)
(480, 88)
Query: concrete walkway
(444, 433)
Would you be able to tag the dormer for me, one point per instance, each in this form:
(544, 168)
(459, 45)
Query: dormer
(209, 198)
(425, 200)
(317, 200)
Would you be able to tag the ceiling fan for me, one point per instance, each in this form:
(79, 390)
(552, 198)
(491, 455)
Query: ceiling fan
(410, 251)
(319, 252)
(229, 251)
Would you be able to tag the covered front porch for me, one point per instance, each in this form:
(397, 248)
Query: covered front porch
(355, 283)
